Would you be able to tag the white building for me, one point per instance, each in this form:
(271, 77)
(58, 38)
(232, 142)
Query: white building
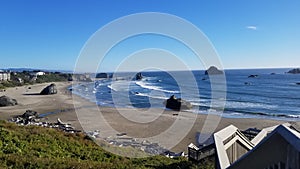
(4, 76)
(37, 74)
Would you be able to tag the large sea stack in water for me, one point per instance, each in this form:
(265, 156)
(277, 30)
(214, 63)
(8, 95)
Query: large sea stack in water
(102, 75)
(213, 71)
(139, 76)
(177, 104)
(294, 71)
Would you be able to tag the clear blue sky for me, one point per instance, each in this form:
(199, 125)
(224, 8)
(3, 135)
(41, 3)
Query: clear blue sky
(246, 33)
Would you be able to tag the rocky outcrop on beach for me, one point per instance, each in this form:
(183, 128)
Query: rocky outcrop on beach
(177, 104)
(7, 101)
(213, 71)
(143, 145)
(51, 89)
(294, 71)
(138, 76)
(102, 75)
(29, 114)
(26, 118)
(32, 118)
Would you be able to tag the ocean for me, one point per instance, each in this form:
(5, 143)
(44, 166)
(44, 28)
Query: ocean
(273, 94)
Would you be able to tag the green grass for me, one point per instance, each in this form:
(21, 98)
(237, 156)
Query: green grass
(38, 147)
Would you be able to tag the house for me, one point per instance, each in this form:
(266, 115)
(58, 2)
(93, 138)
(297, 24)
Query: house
(35, 74)
(4, 76)
(40, 73)
(231, 144)
(279, 149)
(273, 147)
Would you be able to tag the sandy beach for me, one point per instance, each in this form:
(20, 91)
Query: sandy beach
(93, 117)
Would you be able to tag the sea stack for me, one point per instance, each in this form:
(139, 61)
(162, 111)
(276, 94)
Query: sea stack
(177, 104)
(252, 76)
(102, 75)
(294, 71)
(139, 76)
(213, 71)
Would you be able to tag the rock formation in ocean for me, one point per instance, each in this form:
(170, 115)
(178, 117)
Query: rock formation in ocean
(102, 75)
(7, 101)
(213, 71)
(139, 76)
(252, 76)
(294, 71)
(51, 89)
(177, 104)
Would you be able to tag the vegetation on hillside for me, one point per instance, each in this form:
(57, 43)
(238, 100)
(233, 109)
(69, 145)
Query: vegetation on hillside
(26, 78)
(38, 147)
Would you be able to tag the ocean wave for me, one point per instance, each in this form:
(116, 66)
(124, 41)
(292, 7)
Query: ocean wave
(118, 86)
(279, 115)
(100, 83)
(233, 104)
(150, 86)
(151, 96)
(247, 114)
(238, 104)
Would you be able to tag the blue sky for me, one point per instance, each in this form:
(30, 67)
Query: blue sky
(246, 33)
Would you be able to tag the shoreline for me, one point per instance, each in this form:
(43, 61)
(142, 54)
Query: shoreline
(72, 107)
(227, 113)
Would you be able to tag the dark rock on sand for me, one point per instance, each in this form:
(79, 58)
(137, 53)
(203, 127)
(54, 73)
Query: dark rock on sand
(29, 114)
(213, 71)
(51, 89)
(294, 71)
(177, 104)
(7, 101)
(138, 76)
(102, 75)
(27, 118)
(252, 76)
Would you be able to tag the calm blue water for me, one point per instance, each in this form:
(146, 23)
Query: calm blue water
(266, 96)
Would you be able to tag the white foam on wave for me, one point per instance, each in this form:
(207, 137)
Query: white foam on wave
(101, 83)
(119, 86)
(200, 104)
(235, 104)
(151, 96)
(152, 87)
(111, 87)
(232, 104)
(293, 115)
